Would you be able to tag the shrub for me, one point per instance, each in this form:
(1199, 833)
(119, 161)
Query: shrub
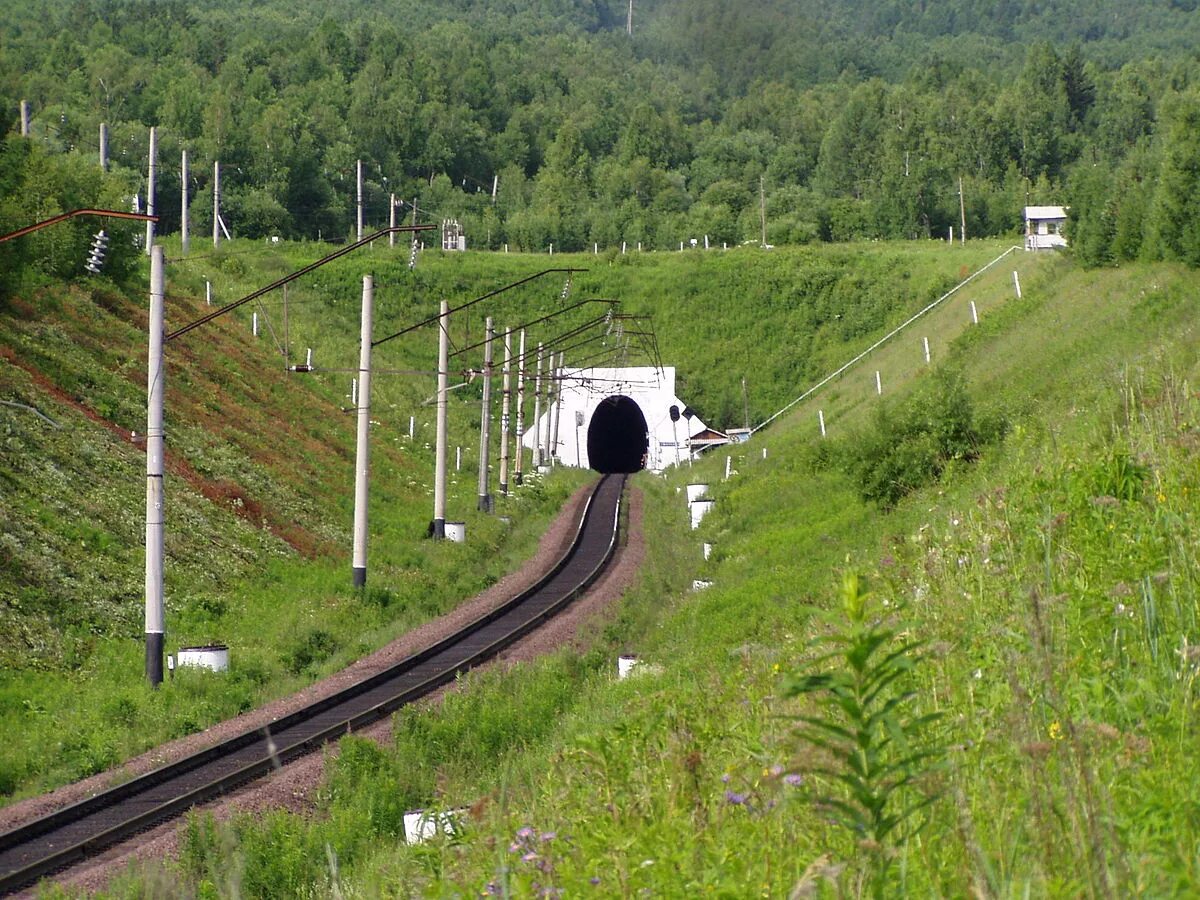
(909, 445)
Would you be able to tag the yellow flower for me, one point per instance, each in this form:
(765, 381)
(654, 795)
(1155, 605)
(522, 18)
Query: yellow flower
(1055, 731)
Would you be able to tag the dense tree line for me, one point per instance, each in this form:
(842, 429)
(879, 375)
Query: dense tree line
(847, 121)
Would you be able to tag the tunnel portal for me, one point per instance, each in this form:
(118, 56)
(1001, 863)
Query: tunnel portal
(618, 438)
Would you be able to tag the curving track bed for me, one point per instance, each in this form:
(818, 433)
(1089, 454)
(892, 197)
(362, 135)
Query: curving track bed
(76, 832)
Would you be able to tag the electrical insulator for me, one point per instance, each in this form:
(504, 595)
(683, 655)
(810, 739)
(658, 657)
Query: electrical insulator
(412, 257)
(566, 290)
(96, 257)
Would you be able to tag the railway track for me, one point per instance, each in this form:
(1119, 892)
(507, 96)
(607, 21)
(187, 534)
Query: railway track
(52, 843)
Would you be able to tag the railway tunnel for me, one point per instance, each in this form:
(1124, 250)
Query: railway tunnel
(620, 419)
(618, 437)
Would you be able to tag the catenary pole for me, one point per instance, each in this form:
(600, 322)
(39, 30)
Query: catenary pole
(103, 146)
(485, 425)
(216, 204)
(183, 203)
(439, 469)
(151, 173)
(552, 450)
(155, 390)
(537, 411)
(518, 447)
(505, 402)
(358, 195)
(362, 462)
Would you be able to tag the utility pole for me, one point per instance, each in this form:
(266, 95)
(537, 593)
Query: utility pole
(485, 425)
(183, 204)
(392, 219)
(962, 211)
(151, 172)
(495, 184)
(506, 398)
(537, 411)
(24, 118)
(216, 204)
(629, 20)
(552, 449)
(443, 377)
(155, 390)
(103, 146)
(359, 232)
(762, 208)
(362, 460)
(520, 427)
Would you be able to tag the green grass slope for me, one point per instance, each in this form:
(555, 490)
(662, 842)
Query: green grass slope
(1032, 632)
(260, 462)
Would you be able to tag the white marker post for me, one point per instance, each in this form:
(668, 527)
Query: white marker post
(974, 314)
(1017, 283)
(926, 342)
(821, 419)
(878, 383)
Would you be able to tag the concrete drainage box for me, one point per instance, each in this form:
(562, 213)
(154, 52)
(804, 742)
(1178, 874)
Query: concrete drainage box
(213, 656)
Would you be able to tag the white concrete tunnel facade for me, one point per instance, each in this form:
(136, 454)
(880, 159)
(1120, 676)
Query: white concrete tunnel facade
(584, 390)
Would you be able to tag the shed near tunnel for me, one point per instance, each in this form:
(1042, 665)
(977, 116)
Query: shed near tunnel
(619, 420)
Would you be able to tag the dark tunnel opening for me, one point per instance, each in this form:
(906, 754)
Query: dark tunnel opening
(618, 438)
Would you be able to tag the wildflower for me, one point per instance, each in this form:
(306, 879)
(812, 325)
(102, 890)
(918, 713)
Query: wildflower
(734, 798)
(776, 770)
(726, 778)
(595, 879)
(1055, 731)
(525, 833)
(529, 857)
(549, 835)
(793, 779)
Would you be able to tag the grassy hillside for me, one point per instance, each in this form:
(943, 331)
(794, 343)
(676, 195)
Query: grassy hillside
(260, 462)
(1034, 603)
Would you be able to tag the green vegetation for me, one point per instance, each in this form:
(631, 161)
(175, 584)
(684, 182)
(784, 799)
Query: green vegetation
(1024, 508)
(1041, 735)
(831, 121)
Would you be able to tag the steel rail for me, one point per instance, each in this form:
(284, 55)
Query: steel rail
(269, 747)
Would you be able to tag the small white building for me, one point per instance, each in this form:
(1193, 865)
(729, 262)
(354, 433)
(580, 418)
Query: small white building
(1044, 227)
(612, 419)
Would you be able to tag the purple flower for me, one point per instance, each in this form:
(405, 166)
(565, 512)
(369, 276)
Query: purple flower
(549, 835)
(595, 879)
(491, 889)
(776, 770)
(525, 832)
(726, 778)
(529, 857)
(735, 798)
(793, 779)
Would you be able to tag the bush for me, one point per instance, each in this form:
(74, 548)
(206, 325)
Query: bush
(910, 444)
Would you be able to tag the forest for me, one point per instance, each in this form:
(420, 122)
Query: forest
(548, 124)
